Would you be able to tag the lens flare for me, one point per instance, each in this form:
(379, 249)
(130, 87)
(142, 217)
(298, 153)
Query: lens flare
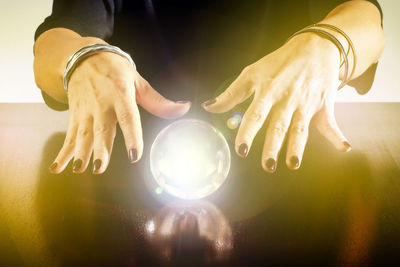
(234, 120)
(190, 159)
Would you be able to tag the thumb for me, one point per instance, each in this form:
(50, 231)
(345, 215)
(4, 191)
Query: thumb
(156, 104)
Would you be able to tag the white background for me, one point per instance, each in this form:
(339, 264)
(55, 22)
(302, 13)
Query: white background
(19, 20)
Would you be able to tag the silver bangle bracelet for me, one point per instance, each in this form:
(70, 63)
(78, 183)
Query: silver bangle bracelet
(351, 45)
(84, 52)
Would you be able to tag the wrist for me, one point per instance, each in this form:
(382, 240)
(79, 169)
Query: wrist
(314, 44)
(327, 45)
(52, 50)
(88, 51)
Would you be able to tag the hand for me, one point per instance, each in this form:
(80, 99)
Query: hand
(102, 91)
(291, 85)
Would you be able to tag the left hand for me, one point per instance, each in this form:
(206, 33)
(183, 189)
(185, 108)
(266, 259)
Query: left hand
(292, 85)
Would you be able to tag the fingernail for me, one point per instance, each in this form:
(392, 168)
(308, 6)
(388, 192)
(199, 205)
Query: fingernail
(96, 165)
(347, 145)
(243, 149)
(182, 102)
(270, 164)
(53, 166)
(132, 155)
(76, 165)
(294, 162)
(209, 102)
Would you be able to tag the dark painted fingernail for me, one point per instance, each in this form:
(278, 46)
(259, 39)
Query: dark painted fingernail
(182, 102)
(270, 164)
(294, 162)
(209, 102)
(347, 145)
(243, 149)
(53, 166)
(76, 165)
(132, 155)
(96, 165)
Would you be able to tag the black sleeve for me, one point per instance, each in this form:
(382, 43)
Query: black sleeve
(87, 18)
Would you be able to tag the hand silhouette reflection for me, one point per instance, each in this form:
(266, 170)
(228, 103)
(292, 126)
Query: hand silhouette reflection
(188, 233)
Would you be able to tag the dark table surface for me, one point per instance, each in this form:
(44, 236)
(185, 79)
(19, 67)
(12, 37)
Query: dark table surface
(339, 209)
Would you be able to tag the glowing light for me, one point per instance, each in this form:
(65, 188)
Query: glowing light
(159, 190)
(150, 226)
(232, 123)
(190, 159)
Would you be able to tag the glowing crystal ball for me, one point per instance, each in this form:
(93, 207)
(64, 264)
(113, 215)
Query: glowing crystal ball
(190, 159)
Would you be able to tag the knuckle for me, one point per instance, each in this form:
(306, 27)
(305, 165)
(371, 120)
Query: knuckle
(247, 70)
(126, 118)
(69, 141)
(271, 81)
(314, 97)
(245, 136)
(142, 89)
(299, 82)
(246, 91)
(228, 94)
(255, 116)
(146, 87)
(279, 128)
(323, 126)
(303, 113)
(121, 85)
(74, 105)
(262, 102)
(248, 73)
(84, 132)
(160, 99)
(101, 129)
(299, 128)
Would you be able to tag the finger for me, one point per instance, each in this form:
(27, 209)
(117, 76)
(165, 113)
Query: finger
(275, 136)
(129, 121)
(235, 94)
(297, 138)
(67, 151)
(327, 126)
(156, 104)
(104, 134)
(252, 121)
(84, 145)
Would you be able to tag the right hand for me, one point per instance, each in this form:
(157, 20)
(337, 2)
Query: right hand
(103, 90)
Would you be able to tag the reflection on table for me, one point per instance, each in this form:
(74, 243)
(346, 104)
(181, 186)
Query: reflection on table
(338, 209)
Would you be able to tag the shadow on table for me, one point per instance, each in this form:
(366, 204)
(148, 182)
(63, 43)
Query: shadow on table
(323, 213)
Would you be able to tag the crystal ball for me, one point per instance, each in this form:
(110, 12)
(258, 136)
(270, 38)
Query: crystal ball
(190, 159)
